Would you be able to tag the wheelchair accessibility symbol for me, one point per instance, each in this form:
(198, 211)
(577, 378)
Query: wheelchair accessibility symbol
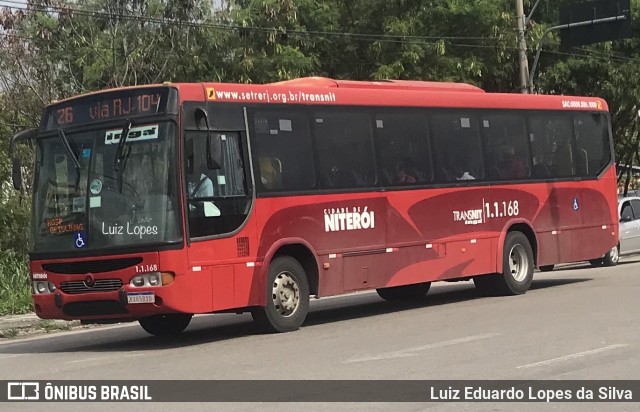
(576, 205)
(80, 239)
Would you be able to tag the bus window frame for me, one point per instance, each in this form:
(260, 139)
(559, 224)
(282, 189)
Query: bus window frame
(188, 109)
(428, 112)
(117, 250)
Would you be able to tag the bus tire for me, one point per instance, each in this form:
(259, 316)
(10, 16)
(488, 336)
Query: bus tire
(417, 291)
(166, 325)
(596, 262)
(612, 257)
(517, 269)
(546, 268)
(287, 302)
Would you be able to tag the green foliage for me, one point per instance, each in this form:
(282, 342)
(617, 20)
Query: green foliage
(15, 286)
(54, 50)
(9, 333)
(15, 206)
(607, 70)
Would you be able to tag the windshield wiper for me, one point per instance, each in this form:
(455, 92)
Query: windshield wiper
(123, 139)
(72, 155)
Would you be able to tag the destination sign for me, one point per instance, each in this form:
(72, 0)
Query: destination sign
(108, 106)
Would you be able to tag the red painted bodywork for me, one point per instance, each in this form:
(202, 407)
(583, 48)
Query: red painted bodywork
(414, 238)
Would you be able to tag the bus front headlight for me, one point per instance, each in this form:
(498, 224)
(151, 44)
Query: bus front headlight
(41, 287)
(152, 279)
(137, 281)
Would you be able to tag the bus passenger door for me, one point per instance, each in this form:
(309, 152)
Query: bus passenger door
(218, 202)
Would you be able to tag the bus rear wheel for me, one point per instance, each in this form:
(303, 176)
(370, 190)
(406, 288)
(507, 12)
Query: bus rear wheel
(610, 259)
(166, 325)
(417, 291)
(287, 302)
(517, 269)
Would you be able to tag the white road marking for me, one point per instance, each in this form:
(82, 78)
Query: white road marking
(86, 360)
(11, 356)
(105, 358)
(413, 351)
(574, 356)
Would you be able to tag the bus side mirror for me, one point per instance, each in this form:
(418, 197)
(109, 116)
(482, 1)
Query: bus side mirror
(214, 151)
(16, 171)
(214, 141)
(16, 174)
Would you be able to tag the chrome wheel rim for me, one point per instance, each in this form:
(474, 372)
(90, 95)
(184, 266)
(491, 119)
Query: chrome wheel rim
(518, 263)
(285, 293)
(614, 255)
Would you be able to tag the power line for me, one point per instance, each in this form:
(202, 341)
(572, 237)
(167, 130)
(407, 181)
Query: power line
(610, 55)
(368, 37)
(231, 27)
(383, 38)
(594, 55)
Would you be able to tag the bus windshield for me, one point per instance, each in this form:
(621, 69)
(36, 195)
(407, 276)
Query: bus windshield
(106, 202)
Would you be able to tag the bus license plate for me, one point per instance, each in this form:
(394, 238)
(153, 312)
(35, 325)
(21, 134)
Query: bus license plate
(141, 297)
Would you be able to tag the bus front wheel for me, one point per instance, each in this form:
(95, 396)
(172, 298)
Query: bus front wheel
(166, 325)
(287, 300)
(417, 291)
(517, 269)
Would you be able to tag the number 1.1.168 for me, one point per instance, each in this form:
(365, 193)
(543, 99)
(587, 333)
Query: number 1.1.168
(502, 209)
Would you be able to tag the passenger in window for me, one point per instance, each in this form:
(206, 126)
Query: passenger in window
(513, 166)
(405, 173)
(271, 172)
(200, 185)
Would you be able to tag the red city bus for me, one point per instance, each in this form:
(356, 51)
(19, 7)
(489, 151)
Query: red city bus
(159, 202)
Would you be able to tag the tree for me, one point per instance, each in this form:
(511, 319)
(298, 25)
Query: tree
(607, 70)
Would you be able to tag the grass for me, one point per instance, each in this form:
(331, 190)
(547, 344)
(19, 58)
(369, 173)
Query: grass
(9, 333)
(15, 286)
(41, 326)
(50, 325)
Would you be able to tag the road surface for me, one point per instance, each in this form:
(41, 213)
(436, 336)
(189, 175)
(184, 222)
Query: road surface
(576, 322)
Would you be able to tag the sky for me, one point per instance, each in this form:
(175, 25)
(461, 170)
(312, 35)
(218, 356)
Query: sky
(12, 4)
(216, 3)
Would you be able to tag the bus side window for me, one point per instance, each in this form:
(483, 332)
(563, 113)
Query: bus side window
(402, 141)
(551, 142)
(506, 146)
(592, 143)
(283, 152)
(458, 150)
(344, 142)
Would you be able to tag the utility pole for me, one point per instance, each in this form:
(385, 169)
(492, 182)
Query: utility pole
(522, 48)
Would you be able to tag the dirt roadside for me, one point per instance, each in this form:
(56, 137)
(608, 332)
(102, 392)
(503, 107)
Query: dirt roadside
(16, 326)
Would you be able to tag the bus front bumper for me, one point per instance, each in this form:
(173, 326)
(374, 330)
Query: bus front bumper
(123, 303)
